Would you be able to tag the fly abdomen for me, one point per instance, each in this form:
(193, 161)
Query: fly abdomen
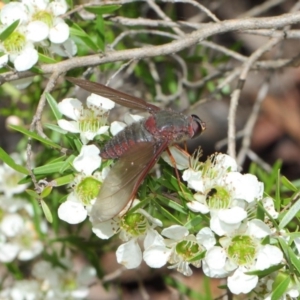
(125, 139)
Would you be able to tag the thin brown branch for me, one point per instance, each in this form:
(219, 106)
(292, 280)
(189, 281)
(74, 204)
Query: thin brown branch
(36, 125)
(248, 129)
(165, 49)
(237, 92)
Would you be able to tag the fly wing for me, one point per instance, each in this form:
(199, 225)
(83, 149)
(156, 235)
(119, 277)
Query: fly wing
(114, 95)
(123, 180)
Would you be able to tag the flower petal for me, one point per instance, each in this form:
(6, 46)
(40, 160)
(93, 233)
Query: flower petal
(239, 282)
(72, 212)
(70, 107)
(116, 127)
(60, 32)
(100, 102)
(175, 232)
(88, 160)
(129, 254)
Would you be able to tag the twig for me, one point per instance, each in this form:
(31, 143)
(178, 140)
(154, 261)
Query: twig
(236, 93)
(147, 31)
(185, 42)
(254, 157)
(113, 275)
(198, 5)
(248, 129)
(36, 124)
(122, 67)
(261, 8)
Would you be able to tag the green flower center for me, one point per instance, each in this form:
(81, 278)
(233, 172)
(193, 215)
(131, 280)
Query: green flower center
(218, 198)
(43, 16)
(15, 42)
(188, 250)
(242, 250)
(88, 189)
(134, 224)
(91, 121)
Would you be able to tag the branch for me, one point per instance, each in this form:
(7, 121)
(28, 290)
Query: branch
(175, 46)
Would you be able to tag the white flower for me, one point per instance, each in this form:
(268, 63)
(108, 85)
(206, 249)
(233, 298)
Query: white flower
(201, 177)
(44, 21)
(89, 121)
(131, 228)
(63, 283)
(242, 252)
(9, 179)
(22, 243)
(226, 194)
(25, 289)
(19, 50)
(180, 249)
(85, 187)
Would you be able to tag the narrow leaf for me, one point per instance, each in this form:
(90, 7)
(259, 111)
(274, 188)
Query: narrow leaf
(291, 213)
(34, 136)
(280, 288)
(32, 193)
(9, 30)
(46, 59)
(63, 180)
(55, 128)
(54, 107)
(10, 162)
(49, 168)
(104, 9)
(289, 185)
(46, 211)
(101, 32)
(75, 30)
(46, 191)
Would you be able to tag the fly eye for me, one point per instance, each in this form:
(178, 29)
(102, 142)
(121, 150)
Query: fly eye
(198, 125)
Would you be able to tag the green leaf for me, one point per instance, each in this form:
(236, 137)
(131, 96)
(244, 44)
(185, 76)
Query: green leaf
(168, 215)
(46, 191)
(67, 164)
(10, 162)
(171, 204)
(46, 59)
(35, 136)
(103, 9)
(55, 128)
(265, 272)
(193, 223)
(46, 211)
(63, 180)
(289, 185)
(54, 107)
(9, 30)
(277, 194)
(75, 30)
(49, 168)
(101, 32)
(290, 214)
(294, 259)
(280, 286)
(32, 193)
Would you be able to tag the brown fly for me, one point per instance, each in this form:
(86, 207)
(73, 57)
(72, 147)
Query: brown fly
(137, 147)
